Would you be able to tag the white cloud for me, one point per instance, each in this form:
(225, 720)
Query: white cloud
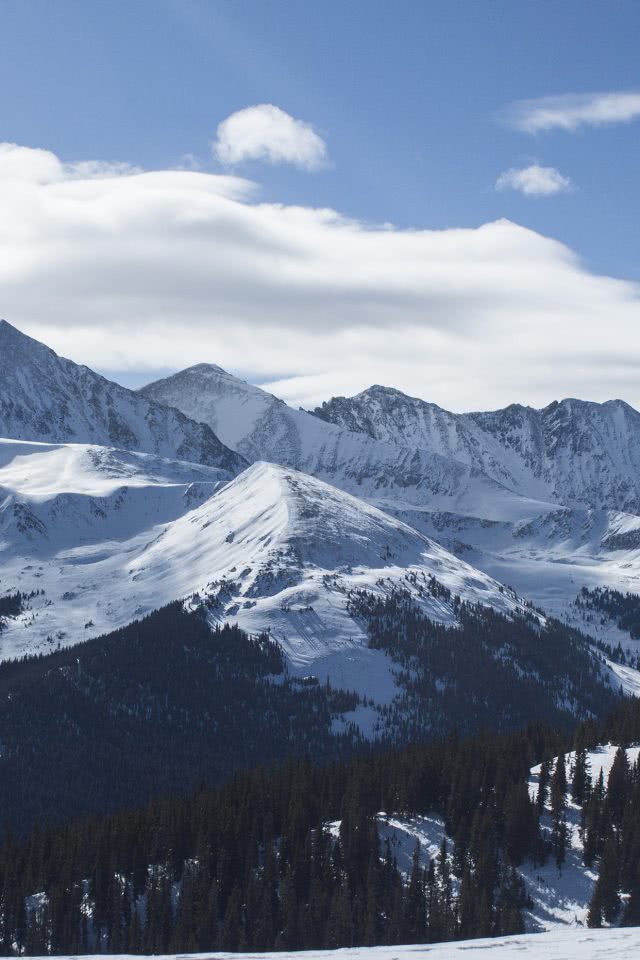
(267, 133)
(571, 111)
(534, 181)
(43, 166)
(160, 270)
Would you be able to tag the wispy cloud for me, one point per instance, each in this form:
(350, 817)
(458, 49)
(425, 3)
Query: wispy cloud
(534, 181)
(571, 111)
(267, 133)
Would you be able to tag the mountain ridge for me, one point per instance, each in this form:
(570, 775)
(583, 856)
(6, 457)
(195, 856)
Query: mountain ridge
(47, 398)
(520, 446)
(263, 427)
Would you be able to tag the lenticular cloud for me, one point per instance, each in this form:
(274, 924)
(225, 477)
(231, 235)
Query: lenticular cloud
(131, 270)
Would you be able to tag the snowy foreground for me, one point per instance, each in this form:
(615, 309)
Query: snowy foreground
(577, 944)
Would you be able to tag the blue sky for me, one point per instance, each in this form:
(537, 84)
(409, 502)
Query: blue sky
(407, 95)
(410, 98)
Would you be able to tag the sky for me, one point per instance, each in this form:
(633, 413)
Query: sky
(437, 195)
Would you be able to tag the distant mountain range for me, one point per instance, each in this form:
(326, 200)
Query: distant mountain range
(574, 453)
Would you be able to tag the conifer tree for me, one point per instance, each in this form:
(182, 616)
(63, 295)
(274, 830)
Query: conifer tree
(617, 783)
(581, 779)
(558, 806)
(605, 902)
(543, 784)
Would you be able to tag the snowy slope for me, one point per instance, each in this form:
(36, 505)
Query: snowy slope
(47, 398)
(577, 944)
(55, 496)
(548, 557)
(273, 549)
(561, 897)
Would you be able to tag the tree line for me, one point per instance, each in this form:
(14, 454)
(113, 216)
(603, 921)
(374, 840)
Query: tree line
(252, 865)
(161, 705)
(485, 671)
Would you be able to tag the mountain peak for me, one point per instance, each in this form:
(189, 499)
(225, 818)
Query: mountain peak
(47, 398)
(383, 413)
(204, 376)
(6, 327)
(14, 338)
(204, 368)
(379, 388)
(208, 394)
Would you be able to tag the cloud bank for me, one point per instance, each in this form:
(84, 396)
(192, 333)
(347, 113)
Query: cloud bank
(534, 181)
(572, 111)
(151, 271)
(267, 133)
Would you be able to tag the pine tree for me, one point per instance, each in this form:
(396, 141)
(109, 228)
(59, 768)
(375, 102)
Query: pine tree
(605, 902)
(632, 911)
(617, 784)
(415, 922)
(581, 779)
(232, 924)
(559, 833)
(543, 784)
(520, 823)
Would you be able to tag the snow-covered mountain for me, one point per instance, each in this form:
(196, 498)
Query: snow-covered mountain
(506, 464)
(94, 537)
(47, 398)
(546, 500)
(261, 427)
(572, 452)
(103, 536)
(108, 533)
